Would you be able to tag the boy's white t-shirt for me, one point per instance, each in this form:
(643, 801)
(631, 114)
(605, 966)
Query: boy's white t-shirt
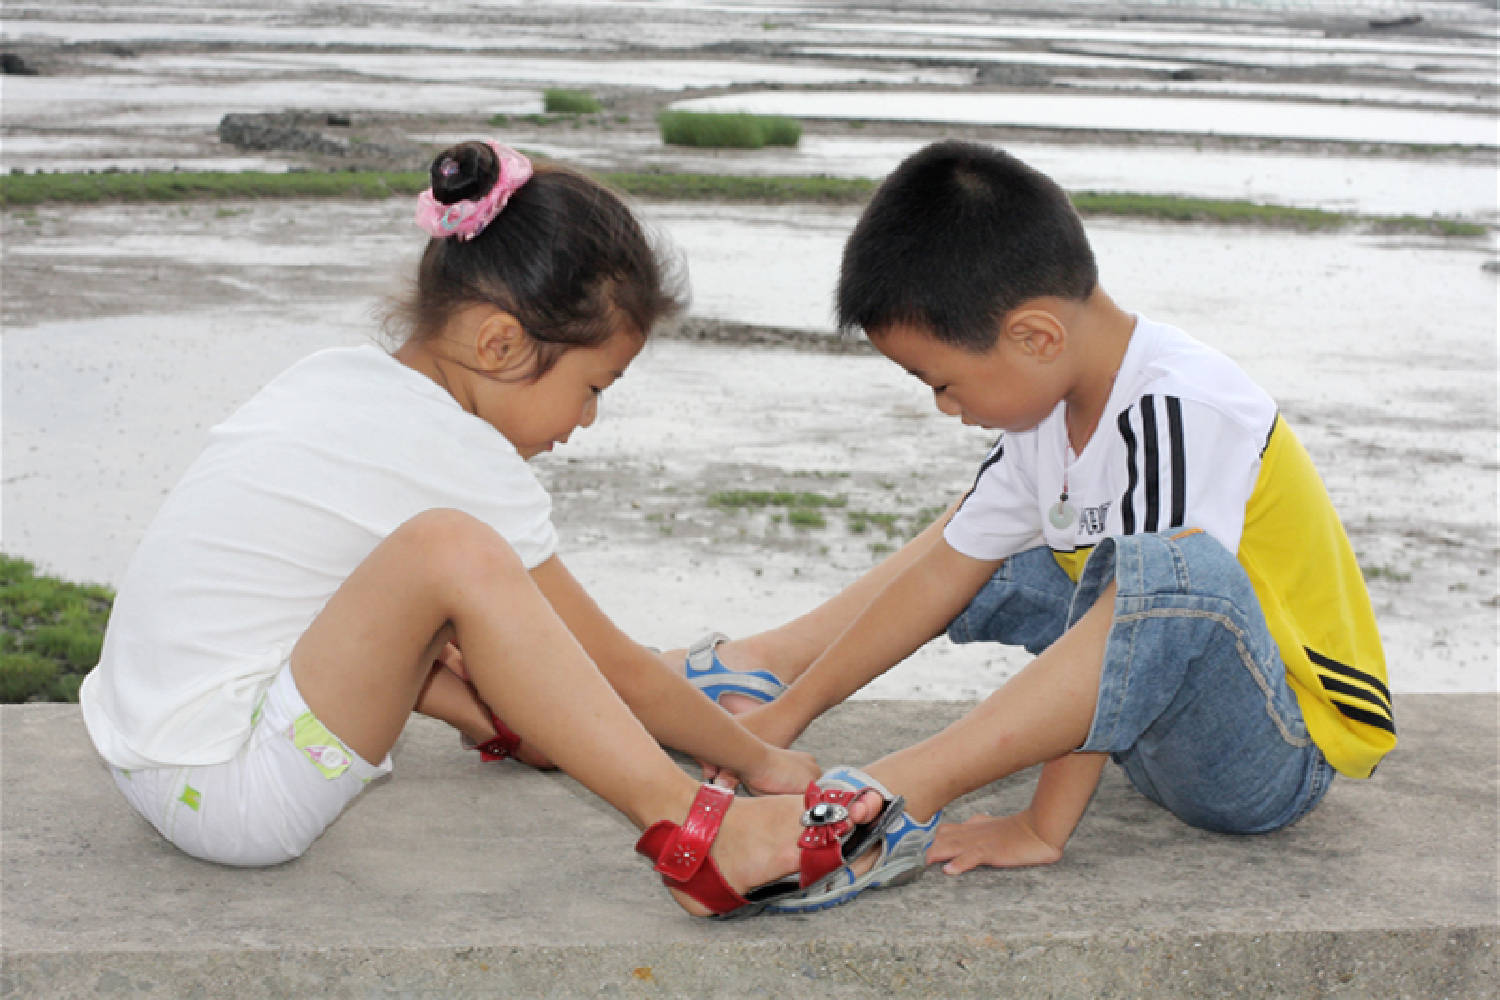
(1178, 444)
(292, 492)
(1188, 441)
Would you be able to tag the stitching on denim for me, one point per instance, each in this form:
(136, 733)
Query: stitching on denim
(1247, 660)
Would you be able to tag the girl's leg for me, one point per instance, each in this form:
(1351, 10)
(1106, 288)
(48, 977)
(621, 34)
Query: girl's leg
(366, 659)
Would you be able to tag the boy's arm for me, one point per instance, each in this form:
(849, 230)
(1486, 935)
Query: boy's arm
(1034, 836)
(671, 709)
(912, 609)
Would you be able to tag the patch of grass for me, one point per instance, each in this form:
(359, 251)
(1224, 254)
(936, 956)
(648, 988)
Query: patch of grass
(21, 190)
(557, 101)
(723, 187)
(860, 521)
(806, 517)
(50, 633)
(1385, 573)
(756, 499)
(159, 186)
(1176, 208)
(727, 131)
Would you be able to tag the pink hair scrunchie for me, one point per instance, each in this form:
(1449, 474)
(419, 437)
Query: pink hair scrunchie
(467, 219)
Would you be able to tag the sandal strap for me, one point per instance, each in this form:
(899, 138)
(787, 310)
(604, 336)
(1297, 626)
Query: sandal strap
(681, 852)
(503, 744)
(826, 824)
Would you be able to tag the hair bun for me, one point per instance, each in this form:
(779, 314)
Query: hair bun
(466, 172)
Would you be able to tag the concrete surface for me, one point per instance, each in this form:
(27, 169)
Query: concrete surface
(455, 879)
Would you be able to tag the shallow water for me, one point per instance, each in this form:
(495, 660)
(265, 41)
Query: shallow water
(1103, 112)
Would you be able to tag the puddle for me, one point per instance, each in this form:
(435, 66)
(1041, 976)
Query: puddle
(657, 74)
(1369, 186)
(1170, 115)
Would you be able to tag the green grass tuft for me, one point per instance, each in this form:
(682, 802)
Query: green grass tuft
(557, 101)
(22, 190)
(756, 499)
(51, 632)
(731, 131)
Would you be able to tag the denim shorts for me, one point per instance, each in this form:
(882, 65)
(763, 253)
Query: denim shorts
(269, 802)
(1193, 700)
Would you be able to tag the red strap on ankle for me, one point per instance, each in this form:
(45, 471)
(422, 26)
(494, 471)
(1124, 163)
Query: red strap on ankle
(503, 744)
(681, 852)
(826, 824)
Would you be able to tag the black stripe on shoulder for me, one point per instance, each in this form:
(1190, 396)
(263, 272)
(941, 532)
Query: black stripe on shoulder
(1179, 461)
(1127, 502)
(1334, 666)
(1152, 462)
(997, 451)
(1367, 717)
(1270, 433)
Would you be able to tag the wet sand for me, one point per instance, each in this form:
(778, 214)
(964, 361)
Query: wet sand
(129, 330)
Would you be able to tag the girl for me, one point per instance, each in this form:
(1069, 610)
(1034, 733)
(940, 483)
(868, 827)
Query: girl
(366, 517)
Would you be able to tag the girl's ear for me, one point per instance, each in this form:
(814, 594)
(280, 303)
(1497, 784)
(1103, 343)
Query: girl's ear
(500, 343)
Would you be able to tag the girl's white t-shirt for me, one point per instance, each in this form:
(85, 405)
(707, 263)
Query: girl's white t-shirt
(292, 492)
(1178, 445)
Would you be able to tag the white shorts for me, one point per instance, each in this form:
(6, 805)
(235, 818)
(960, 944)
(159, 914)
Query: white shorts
(270, 801)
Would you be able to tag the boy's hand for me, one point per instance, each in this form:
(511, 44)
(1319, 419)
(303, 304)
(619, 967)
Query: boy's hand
(996, 841)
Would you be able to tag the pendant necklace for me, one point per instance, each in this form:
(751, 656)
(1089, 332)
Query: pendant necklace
(1062, 514)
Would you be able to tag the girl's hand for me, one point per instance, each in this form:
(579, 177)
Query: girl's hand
(452, 658)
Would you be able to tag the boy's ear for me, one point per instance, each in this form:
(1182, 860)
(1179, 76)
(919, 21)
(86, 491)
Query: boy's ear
(1037, 332)
(500, 342)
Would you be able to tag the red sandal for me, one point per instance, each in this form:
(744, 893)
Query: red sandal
(503, 744)
(830, 839)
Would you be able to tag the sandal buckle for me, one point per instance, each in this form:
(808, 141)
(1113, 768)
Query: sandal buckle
(825, 814)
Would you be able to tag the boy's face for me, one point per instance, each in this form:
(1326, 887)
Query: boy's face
(1008, 387)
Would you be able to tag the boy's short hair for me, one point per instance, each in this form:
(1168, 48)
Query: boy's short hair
(958, 236)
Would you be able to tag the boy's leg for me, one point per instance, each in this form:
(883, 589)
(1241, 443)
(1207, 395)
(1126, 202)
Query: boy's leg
(1195, 704)
(1168, 666)
(787, 650)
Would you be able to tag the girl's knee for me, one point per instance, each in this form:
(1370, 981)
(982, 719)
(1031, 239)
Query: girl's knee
(457, 546)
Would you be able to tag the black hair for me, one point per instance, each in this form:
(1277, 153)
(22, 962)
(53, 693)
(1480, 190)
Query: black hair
(955, 238)
(565, 257)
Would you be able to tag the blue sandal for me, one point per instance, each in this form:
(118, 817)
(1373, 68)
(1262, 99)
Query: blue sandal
(902, 858)
(706, 672)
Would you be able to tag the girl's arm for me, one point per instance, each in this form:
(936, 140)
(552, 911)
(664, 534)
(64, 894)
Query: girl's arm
(672, 710)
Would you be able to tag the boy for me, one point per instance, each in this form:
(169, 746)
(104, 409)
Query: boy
(1147, 525)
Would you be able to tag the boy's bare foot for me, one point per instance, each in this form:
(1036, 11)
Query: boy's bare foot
(736, 654)
(758, 842)
(995, 841)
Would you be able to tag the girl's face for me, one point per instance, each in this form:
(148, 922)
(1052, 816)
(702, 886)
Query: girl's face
(536, 415)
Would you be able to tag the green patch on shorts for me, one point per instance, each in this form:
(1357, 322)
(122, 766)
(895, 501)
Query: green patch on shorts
(320, 746)
(190, 797)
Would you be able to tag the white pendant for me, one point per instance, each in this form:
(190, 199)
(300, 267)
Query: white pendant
(1062, 515)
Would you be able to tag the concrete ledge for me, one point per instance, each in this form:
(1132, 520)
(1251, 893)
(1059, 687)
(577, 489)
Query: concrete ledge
(454, 879)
